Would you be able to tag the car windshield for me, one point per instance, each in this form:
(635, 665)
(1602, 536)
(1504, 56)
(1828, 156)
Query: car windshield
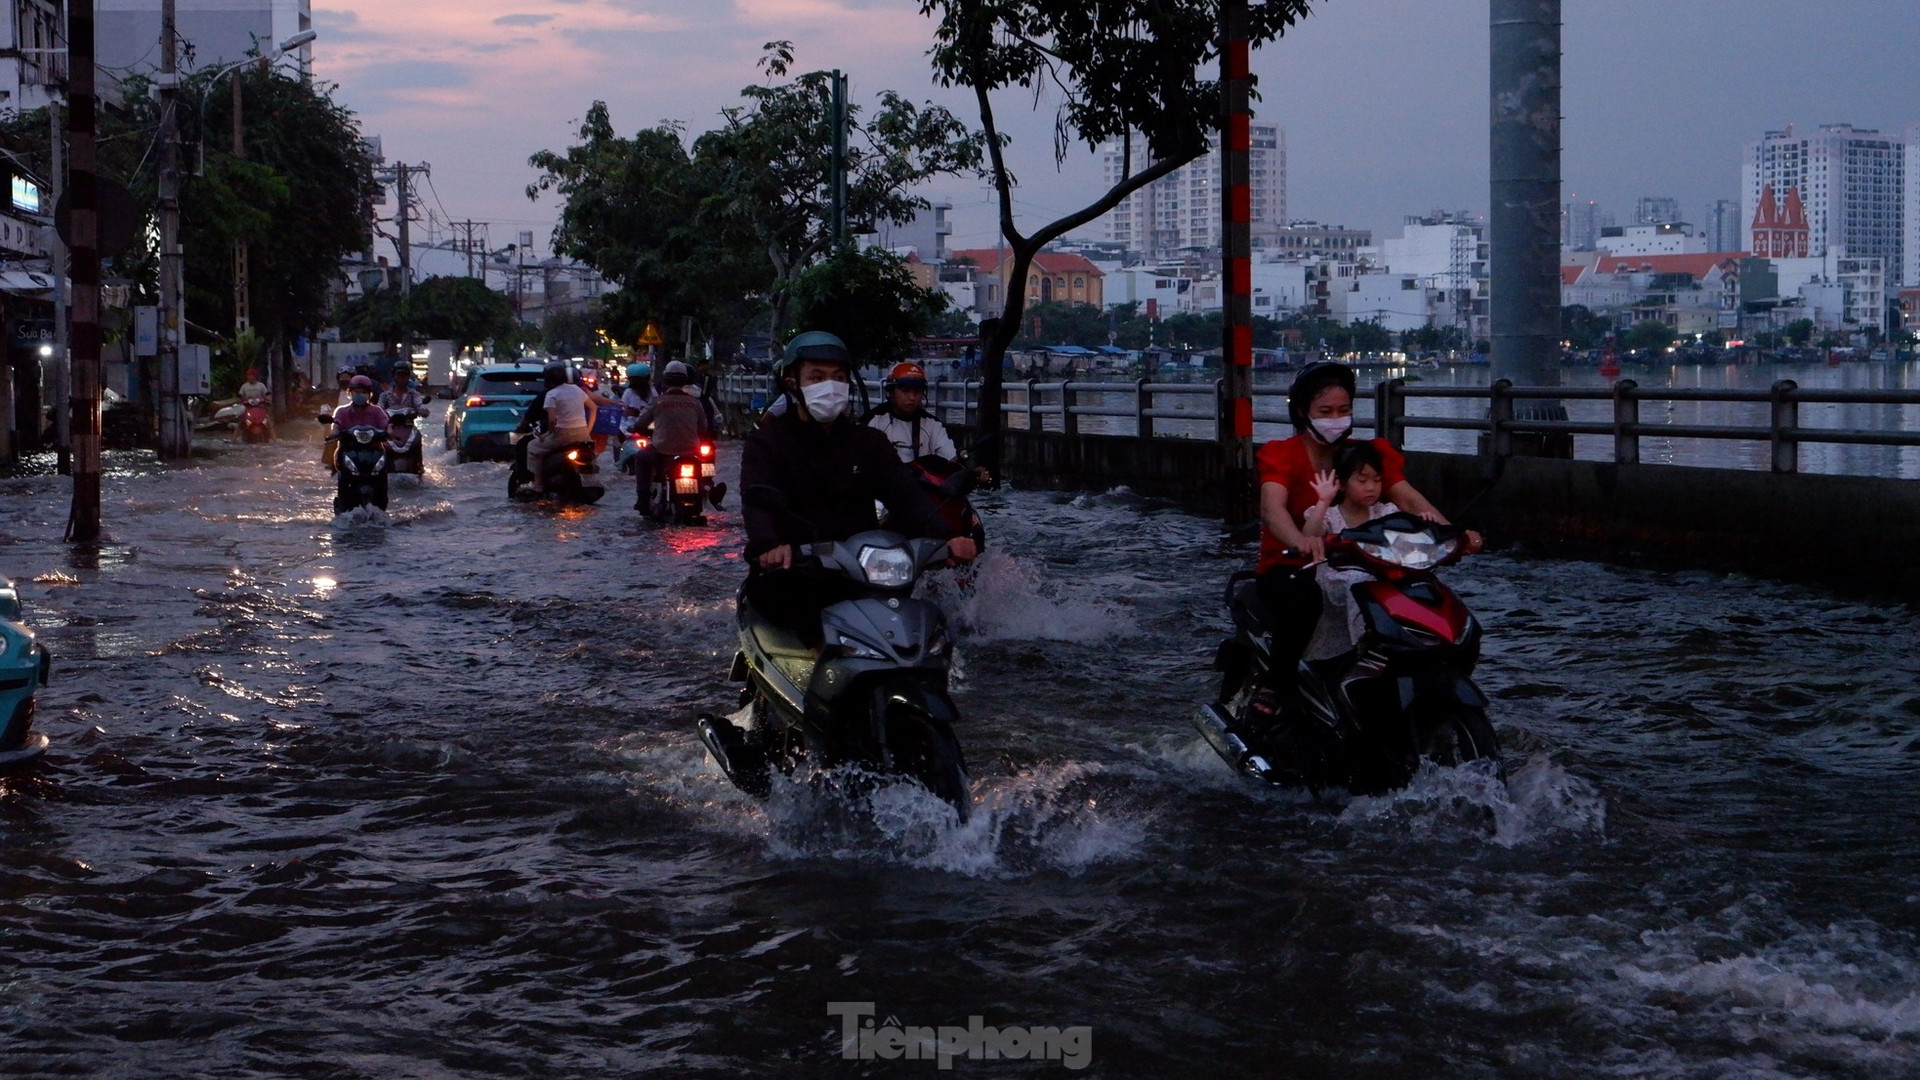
(509, 382)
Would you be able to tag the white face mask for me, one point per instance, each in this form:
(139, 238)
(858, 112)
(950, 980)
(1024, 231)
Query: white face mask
(1333, 429)
(827, 401)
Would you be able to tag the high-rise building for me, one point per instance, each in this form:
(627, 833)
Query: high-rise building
(1180, 213)
(1580, 225)
(1909, 271)
(211, 32)
(1722, 227)
(1851, 183)
(1656, 210)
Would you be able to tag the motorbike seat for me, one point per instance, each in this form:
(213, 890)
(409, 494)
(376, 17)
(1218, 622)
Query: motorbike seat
(1250, 612)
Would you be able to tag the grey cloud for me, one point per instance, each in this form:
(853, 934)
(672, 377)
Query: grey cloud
(411, 75)
(523, 20)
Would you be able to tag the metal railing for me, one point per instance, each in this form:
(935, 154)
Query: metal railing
(1059, 406)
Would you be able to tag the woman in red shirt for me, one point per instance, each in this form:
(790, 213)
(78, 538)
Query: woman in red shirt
(1320, 404)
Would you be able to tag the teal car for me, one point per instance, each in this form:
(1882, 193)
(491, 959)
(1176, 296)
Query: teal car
(23, 671)
(488, 402)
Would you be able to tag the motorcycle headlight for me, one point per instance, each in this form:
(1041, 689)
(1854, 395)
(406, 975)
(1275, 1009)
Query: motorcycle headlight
(886, 568)
(1415, 551)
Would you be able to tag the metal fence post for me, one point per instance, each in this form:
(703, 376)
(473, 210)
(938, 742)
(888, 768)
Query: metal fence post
(1033, 395)
(1069, 423)
(1222, 422)
(1626, 416)
(1142, 401)
(1500, 418)
(1786, 416)
(1389, 408)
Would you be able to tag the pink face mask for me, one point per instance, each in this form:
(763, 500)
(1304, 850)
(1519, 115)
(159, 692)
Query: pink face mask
(1333, 429)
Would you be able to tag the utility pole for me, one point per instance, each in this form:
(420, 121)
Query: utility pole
(173, 316)
(242, 292)
(401, 177)
(83, 201)
(469, 246)
(1524, 229)
(1236, 235)
(62, 359)
(838, 180)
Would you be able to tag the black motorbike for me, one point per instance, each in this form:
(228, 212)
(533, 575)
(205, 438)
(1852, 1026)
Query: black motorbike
(571, 474)
(876, 693)
(1362, 720)
(404, 452)
(681, 486)
(360, 468)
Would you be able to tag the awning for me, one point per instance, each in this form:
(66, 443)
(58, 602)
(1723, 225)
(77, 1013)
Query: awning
(32, 283)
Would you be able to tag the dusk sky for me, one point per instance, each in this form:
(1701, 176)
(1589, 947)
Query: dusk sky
(1384, 101)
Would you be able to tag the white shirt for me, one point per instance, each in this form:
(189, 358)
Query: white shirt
(566, 407)
(933, 436)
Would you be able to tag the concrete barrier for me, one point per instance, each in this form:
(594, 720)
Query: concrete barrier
(1861, 530)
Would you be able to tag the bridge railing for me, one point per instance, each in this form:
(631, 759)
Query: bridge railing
(1145, 409)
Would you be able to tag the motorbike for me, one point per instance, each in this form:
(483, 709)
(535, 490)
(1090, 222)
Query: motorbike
(1362, 720)
(360, 466)
(404, 454)
(875, 696)
(24, 669)
(256, 421)
(937, 476)
(681, 486)
(571, 474)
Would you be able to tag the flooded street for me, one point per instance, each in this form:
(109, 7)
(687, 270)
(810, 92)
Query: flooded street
(420, 796)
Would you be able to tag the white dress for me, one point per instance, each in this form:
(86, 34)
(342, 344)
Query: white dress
(1339, 627)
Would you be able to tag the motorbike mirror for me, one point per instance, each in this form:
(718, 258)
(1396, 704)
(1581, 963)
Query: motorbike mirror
(324, 419)
(1244, 533)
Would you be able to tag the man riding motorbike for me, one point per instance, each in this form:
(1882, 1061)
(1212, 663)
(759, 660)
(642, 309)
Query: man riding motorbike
(403, 394)
(567, 413)
(904, 420)
(828, 472)
(679, 423)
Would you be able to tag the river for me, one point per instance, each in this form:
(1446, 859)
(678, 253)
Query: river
(421, 797)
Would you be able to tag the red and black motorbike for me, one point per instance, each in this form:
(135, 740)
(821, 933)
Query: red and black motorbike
(681, 486)
(1365, 719)
(256, 420)
(937, 475)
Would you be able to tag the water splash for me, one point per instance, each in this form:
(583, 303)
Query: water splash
(1539, 799)
(1003, 598)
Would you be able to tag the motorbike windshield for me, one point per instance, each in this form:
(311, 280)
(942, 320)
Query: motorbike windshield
(1414, 549)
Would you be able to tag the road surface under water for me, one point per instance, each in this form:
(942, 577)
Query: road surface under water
(420, 797)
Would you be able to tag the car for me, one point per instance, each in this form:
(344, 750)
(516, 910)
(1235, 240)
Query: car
(488, 402)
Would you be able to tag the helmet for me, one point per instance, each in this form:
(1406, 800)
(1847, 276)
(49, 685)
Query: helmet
(813, 345)
(907, 376)
(639, 371)
(1312, 379)
(253, 374)
(677, 374)
(554, 375)
(360, 382)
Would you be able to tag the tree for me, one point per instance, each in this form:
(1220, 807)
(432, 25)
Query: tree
(1125, 70)
(869, 299)
(723, 229)
(1648, 334)
(458, 309)
(1799, 332)
(1582, 327)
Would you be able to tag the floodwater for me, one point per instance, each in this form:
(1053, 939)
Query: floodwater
(420, 796)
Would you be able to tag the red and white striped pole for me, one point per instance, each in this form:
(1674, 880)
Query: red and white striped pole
(1236, 236)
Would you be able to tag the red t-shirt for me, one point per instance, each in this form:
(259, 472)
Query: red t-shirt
(1285, 462)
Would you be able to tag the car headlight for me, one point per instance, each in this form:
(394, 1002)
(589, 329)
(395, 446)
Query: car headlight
(887, 568)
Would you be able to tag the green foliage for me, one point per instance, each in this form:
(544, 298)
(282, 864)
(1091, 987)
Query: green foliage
(1648, 334)
(574, 333)
(1799, 332)
(719, 230)
(458, 309)
(1583, 327)
(870, 299)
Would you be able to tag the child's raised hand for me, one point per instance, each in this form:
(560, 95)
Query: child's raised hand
(1326, 486)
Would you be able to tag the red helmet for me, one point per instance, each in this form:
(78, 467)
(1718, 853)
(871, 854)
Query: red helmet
(907, 376)
(253, 374)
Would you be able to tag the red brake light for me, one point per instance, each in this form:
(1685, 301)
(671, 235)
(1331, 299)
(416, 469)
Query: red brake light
(706, 449)
(476, 401)
(686, 472)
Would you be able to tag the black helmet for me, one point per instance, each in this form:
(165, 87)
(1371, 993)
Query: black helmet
(555, 375)
(1307, 385)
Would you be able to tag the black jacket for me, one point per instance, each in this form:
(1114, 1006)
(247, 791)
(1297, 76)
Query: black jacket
(831, 475)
